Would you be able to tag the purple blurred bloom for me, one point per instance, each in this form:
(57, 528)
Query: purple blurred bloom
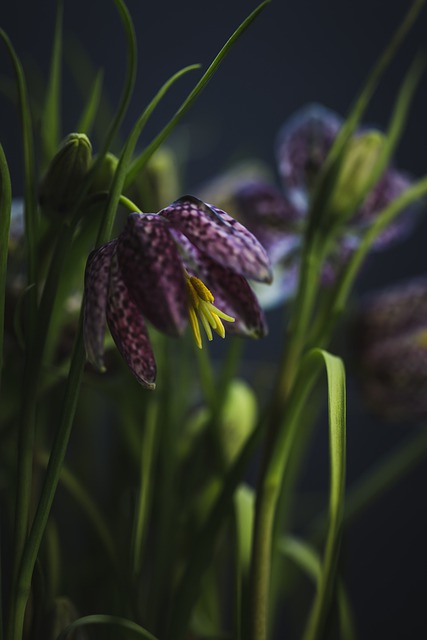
(277, 216)
(169, 268)
(390, 349)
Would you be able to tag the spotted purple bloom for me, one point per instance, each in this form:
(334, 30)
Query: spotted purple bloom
(390, 350)
(145, 274)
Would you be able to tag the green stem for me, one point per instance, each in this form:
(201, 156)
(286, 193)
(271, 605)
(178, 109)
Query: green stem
(59, 448)
(266, 504)
(278, 443)
(129, 204)
(5, 212)
(84, 500)
(298, 326)
(148, 449)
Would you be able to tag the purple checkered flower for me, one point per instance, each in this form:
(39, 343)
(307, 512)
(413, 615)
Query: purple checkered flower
(277, 216)
(303, 145)
(169, 268)
(390, 349)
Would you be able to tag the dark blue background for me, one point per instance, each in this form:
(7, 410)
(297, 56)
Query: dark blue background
(296, 52)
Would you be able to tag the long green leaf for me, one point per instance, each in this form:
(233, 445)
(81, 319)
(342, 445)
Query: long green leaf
(188, 587)
(307, 558)
(127, 625)
(148, 152)
(29, 173)
(5, 213)
(337, 452)
(129, 80)
(87, 504)
(51, 114)
(126, 155)
(244, 507)
(87, 118)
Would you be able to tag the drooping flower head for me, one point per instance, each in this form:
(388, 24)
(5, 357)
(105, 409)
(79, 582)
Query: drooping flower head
(278, 216)
(390, 350)
(187, 263)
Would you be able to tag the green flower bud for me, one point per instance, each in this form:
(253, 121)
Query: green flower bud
(60, 186)
(238, 419)
(355, 171)
(104, 174)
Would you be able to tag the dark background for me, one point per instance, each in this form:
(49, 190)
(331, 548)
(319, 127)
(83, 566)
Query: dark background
(295, 52)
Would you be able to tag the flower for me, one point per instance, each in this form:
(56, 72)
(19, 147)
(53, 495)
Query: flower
(278, 216)
(389, 337)
(170, 268)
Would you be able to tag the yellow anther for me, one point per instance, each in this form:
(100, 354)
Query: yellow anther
(201, 307)
(201, 289)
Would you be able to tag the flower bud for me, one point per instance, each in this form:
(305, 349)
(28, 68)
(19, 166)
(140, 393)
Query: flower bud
(61, 184)
(238, 419)
(104, 174)
(390, 346)
(355, 171)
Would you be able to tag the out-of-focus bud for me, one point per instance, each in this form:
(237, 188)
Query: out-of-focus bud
(61, 615)
(355, 172)
(158, 183)
(238, 419)
(61, 184)
(104, 174)
(390, 347)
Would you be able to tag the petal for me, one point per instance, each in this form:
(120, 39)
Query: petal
(303, 144)
(394, 378)
(220, 237)
(393, 311)
(153, 272)
(97, 276)
(128, 330)
(391, 185)
(232, 293)
(283, 287)
(271, 217)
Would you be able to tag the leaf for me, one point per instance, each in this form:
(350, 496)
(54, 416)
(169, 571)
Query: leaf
(120, 173)
(141, 161)
(29, 173)
(307, 558)
(135, 629)
(51, 114)
(5, 214)
(337, 454)
(87, 118)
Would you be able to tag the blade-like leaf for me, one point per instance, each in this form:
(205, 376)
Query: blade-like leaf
(307, 558)
(337, 452)
(112, 621)
(29, 172)
(244, 506)
(5, 212)
(87, 118)
(51, 114)
(121, 171)
(148, 152)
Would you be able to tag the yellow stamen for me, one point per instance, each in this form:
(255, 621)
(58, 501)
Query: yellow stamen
(201, 307)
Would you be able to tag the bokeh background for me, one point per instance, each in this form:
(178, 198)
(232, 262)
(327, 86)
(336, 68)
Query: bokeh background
(295, 53)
